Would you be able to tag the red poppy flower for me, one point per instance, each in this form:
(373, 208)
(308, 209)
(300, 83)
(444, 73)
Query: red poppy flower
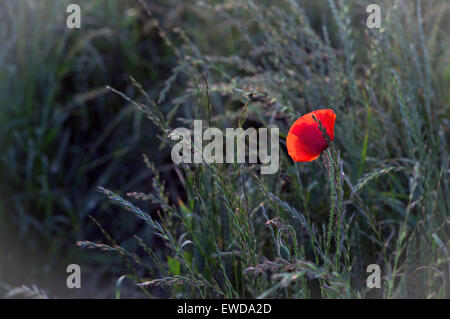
(305, 141)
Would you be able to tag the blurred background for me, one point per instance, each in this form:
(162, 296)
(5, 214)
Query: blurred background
(63, 133)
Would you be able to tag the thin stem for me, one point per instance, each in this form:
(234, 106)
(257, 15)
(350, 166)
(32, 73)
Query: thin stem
(332, 209)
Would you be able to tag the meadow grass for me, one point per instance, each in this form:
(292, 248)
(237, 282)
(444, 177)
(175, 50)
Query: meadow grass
(377, 195)
(380, 196)
(62, 135)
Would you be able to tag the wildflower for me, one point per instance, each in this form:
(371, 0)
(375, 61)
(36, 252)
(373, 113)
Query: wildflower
(305, 140)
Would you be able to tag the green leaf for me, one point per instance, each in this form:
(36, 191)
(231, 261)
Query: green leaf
(174, 266)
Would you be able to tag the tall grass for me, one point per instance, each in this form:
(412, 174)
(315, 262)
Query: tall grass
(378, 196)
(61, 134)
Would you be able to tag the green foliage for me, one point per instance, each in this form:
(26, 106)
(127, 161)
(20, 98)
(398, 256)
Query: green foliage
(61, 134)
(379, 194)
(383, 178)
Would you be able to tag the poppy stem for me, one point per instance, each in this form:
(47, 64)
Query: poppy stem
(333, 204)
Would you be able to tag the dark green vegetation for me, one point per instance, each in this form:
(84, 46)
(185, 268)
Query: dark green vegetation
(379, 196)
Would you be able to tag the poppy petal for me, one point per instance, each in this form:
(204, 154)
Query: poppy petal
(297, 151)
(305, 141)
